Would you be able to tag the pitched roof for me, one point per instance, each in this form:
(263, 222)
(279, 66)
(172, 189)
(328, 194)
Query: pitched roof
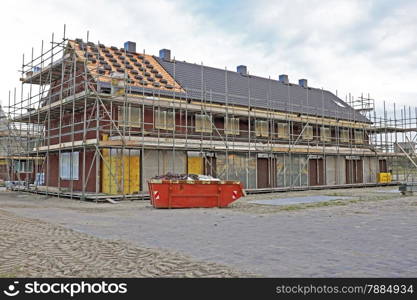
(150, 74)
(142, 70)
(247, 90)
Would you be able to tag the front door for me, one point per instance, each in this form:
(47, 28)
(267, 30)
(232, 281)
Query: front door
(263, 173)
(210, 166)
(316, 171)
(354, 171)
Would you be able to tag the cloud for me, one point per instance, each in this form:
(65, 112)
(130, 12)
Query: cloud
(349, 46)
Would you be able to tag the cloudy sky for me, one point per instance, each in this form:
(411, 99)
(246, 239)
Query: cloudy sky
(349, 46)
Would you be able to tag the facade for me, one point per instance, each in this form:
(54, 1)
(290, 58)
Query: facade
(15, 163)
(109, 118)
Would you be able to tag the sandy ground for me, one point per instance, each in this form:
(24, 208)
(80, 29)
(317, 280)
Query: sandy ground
(371, 234)
(33, 248)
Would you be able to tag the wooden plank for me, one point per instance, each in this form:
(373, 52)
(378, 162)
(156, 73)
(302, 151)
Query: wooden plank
(66, 145)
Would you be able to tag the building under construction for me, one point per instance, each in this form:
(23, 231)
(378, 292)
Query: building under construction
(99, 121)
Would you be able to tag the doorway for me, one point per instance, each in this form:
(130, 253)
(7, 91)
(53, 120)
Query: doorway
(354, 171)
(316, 171)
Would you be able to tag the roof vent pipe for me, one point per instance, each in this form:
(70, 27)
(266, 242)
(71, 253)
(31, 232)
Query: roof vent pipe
(130, 46)
(283, 78)
(303, 83)
(243, 70)
(165, 54)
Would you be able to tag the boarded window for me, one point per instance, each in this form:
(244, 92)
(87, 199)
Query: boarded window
(308, 133)
(283, 131)
(130, 116)
(325, 135)
(23, 166)
(261, 128)
(358, 136)
(231, 126)
(344, 135)
(203, 123)
(69, 165)
(170, 120)
(164, 120)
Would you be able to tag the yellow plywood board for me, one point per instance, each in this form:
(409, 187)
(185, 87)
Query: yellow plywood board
(195, 165)
(121, 174)
(384, 177)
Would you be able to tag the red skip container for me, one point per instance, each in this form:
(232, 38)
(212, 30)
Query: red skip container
(193, 193)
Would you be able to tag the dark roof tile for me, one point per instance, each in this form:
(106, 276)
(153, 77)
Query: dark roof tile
(264, 93)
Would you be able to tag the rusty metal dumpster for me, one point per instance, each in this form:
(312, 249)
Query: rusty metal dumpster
(193, 193)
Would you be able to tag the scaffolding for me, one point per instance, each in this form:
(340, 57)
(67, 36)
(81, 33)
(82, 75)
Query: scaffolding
(114, 135)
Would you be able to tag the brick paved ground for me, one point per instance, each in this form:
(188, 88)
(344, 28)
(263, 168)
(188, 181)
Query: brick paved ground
(373, 234)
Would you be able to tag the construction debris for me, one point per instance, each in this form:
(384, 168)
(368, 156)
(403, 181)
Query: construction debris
(172, 176)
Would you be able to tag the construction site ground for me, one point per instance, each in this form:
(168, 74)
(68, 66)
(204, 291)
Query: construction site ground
(370, 234)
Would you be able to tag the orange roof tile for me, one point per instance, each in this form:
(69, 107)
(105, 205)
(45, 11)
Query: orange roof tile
(142, 70)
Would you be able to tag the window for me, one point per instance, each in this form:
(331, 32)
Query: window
(283, 131)
(358, 137)
(68, 165)
(23, 166)
(164, 120)
(130, 116)
(261, 128)
(308, 133)
(344, 135)
(325, 135)
(231, 126)
(203, 123)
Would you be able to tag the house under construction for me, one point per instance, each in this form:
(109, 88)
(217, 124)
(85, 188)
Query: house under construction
(14, 142)
(100, 120)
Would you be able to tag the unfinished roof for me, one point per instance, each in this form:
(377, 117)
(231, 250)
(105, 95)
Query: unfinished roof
(142, 70)
(150, 73)
(257, 92)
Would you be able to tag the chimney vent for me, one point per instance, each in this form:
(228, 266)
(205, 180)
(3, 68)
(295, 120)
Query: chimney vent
(283, 78)
(165, 54)
(243, 70)
(303, 83)
(130, 46)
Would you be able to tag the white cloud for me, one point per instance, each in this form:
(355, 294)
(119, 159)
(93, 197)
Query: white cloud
(347, 46)
(351, 46)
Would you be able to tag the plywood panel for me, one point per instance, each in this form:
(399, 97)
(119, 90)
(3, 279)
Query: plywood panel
(341, 167)
(195, 165)
(237, 166)
(331, 170)
(120, 172)
(159, 162)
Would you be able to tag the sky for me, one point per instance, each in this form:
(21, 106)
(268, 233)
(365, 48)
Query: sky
(355, 47)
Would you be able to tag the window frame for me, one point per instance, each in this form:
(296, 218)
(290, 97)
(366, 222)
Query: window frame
(27, 166)
(122, 114)
(234, 129)
(325, 137)
(308, 133)
(285, 129)
(262, 128)
(72, 171)
(359, 139)
(344, 139)
(204, 120)
(161, 117)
